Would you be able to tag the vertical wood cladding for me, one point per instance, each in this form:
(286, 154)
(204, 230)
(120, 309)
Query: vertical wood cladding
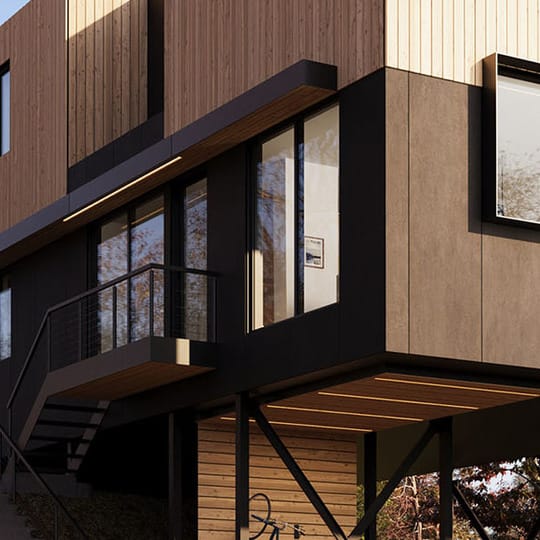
(456, 287)
(33, 172)
(218, 49)
(328, 460)
(107, 56)
(449, 38)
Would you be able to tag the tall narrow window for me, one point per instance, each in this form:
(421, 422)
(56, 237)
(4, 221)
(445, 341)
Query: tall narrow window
(127, 242)
(195, 290)
(295, 260)
(5, 318)
(274, 258)
(5, 98)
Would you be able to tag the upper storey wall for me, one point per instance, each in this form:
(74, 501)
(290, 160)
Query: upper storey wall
(449, 38)
(107, 55)
(217, 49)
(33, 172)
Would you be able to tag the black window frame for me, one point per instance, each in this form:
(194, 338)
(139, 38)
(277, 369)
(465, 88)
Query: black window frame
(296, 122)
(494, 66)
(4, 69)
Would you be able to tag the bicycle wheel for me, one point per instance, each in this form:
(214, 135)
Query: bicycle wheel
(259, 514)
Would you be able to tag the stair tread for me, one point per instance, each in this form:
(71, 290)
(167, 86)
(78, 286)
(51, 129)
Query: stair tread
(74, 408)
(65, 423)
(52, 438)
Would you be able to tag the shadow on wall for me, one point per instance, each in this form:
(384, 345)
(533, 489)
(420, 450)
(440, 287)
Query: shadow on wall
(115, 70)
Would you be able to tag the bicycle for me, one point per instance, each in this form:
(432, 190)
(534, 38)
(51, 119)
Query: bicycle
(268, 521)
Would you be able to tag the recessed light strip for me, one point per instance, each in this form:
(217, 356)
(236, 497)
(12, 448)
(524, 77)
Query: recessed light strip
(345, 413)
(297, 424)
(407, 401)
(457, 387)
(121, 189)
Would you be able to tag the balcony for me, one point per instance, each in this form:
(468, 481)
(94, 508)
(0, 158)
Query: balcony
(151, 327)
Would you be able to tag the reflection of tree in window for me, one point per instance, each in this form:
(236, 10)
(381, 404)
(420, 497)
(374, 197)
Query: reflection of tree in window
(195, 301)
(274, 240)
(518, 135)
(128, 242)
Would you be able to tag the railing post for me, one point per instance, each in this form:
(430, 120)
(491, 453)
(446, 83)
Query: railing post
(49, 344)
(214, 308)
(114, 316)
(80, 329)
(151, 307)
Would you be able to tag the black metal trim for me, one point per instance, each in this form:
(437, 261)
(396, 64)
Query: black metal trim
(370, 480)
(303, 73)
(469, 512)
(4, 68)
(155, 57)
(297, 473)
(446, 467)
(371, 514)
(242, 467)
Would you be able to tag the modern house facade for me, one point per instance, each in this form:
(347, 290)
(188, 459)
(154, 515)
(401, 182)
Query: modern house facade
(270, 246)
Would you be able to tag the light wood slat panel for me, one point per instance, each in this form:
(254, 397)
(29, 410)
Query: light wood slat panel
(207, 64)
(502, 26)
(512, 27)
(459, 40)
(532, 31)
(437, 38)
(322, 457)
(107, 42)
(480, 38)
(415, 38)
(450, 38)
(470, 42)
(33, 172)
(522, 28)
(391, 24)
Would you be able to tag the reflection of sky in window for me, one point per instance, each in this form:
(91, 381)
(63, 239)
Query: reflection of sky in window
(519, 119)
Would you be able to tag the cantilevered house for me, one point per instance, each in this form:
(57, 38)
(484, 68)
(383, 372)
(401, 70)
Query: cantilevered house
(269, 246)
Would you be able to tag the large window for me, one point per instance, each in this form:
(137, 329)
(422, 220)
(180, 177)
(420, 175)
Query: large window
(5, 98)
(127, 242)
(5, 318)
(167, 300)
(295, 259)
(511, 140)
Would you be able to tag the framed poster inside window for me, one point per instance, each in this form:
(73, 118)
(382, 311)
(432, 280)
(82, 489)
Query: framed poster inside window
(313, 252)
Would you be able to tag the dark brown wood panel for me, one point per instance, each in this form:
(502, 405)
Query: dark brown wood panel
(329, 461)
(33, 172)
(107, 49)
(445, 244)
(215, 51)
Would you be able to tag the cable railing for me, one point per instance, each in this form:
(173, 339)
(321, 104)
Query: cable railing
(152, 301)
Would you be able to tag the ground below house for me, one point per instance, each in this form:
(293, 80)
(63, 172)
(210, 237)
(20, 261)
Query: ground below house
(103, 516)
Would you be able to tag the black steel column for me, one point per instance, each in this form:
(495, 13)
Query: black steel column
(183, 478)
(370, 480)
(242, 467)
(446, 466)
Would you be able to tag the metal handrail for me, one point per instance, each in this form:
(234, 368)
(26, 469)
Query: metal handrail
(41, 482)
(86, 294)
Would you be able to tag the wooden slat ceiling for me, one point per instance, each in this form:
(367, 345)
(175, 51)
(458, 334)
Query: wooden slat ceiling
(389, 400)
